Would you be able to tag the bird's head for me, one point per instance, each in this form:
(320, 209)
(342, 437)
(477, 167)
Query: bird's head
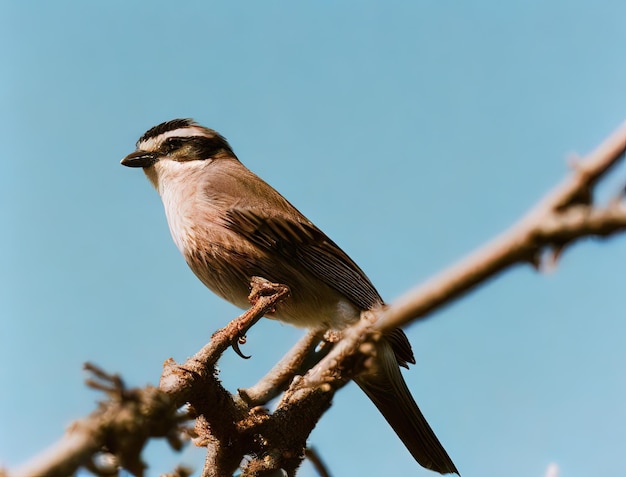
(179, 147)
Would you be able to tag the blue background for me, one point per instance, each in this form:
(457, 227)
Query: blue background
(411, 132)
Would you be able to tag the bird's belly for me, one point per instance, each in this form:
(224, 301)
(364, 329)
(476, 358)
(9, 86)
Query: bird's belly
(311, 303)
(335, 314)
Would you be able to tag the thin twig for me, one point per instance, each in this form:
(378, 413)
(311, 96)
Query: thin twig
(277, 379)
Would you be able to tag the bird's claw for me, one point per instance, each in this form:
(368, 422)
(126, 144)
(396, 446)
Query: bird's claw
(240, 340)
(259, 288)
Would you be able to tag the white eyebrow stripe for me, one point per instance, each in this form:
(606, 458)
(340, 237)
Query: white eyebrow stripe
(154, 142)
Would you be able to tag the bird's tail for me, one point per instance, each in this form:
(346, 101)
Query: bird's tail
(385, 386)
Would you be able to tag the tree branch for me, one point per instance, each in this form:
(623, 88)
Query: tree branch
(121, 426)
(524, 241)
(300, 358)
(563, 216)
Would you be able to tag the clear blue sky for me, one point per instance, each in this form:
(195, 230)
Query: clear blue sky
(411, 132)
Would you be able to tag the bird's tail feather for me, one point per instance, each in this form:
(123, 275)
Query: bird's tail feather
(387, 389)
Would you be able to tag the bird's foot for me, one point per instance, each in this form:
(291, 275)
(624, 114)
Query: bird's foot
(260, 288)
(262, 294)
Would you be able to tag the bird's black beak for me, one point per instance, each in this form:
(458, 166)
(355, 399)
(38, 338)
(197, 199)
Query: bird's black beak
(140, 159)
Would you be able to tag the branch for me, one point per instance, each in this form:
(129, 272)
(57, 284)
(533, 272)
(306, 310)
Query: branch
(177, 380)
(219, 414)
(300, 358)
(121, 425)
(550, 223)
(564, 215)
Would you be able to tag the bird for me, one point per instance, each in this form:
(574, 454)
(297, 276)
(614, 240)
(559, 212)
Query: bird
(230, 225)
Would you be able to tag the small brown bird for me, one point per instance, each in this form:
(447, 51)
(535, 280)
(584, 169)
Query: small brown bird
(230, 225)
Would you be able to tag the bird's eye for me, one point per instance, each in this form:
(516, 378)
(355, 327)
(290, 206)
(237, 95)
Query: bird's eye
(171, 144)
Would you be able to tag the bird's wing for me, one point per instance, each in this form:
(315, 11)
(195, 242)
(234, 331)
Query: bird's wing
(300, 240)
